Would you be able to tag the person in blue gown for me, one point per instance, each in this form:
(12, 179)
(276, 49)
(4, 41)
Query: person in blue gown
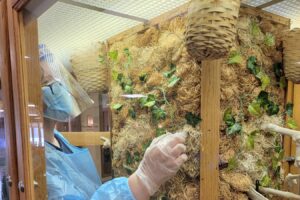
(70, 171)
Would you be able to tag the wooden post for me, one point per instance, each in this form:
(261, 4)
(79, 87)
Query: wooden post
(210, 125)
(296, 116)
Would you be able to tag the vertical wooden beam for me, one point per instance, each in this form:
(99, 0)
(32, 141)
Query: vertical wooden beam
(209, 143)
(296, 116)
(286, 139)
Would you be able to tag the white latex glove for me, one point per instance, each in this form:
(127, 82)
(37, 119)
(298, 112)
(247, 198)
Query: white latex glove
(162, 160)
(106, 143)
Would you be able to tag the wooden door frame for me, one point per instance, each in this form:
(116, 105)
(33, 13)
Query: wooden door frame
(6, 82)
(20, 94)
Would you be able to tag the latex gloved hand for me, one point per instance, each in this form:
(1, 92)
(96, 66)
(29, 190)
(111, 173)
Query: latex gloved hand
(106, 142)
(162, 160)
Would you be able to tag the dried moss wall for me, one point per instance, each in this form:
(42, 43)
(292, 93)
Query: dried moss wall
(155, 64)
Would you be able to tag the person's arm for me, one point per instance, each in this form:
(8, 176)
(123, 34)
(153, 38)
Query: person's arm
(161, 161)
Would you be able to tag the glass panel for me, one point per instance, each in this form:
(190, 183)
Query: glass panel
(3, 155)
(35, 109)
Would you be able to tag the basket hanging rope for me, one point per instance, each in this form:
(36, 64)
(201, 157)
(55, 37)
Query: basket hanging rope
(291, 55)
(211, 28)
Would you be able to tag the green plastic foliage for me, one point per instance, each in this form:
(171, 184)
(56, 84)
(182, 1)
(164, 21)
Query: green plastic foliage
(128, 56)
(113, 55)
(289, 109)
(262, 103)
(252, 65)
(232, 164)
(269, 40)
(255, 30)
(117, 107)
(235, 58)
(160, 131)
(143, 77)
(132, 113)
(266, 181)
(291, 123)
(148, 101)
(264, 79)
(251, 140)
(279, 75)
(173, 81)
(192, 119)
(158, 113)
(232, 126)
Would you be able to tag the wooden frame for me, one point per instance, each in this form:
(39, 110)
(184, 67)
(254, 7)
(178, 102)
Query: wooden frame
(86, 138)
(6, 84)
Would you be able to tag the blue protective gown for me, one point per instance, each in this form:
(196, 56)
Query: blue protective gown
(73, 176)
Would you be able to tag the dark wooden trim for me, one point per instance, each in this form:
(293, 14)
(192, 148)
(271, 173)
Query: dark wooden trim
(268, 4)
(6, 82)
(20, 94)
(19, 4)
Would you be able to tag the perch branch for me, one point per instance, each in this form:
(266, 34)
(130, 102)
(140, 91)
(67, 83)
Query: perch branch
(254, 195)
(289, 132)
(279, 193)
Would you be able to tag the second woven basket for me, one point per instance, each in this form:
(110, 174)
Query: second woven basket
(291, 55)
(211, 28)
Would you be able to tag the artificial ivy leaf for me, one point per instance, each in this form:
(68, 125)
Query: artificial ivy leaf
(172, 66)
(291, 123)
(136, 156)
(278, 70)
(126, 52)
(173, 80)
(252, 65)
(272, 108)
(269, 40)
(149, 104)
(158, 113)
(148, 101)
(192, 119)
(235, 58)
(289, 109)
(113, 55)
(232, 164)
(282, 82)
(129, 159)
(255, 29)
(128, 89)
(160, 131)
(228, 117)
(250, 140)
(115, 75)
(264, 79)
(234, 129)
(265, 181)
(132, 113)
(263, 98)
(143, 77)
(117, 106)
(169, 74)
(255, 109)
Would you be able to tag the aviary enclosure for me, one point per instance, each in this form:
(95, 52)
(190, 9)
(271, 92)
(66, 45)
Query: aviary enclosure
(163, 78)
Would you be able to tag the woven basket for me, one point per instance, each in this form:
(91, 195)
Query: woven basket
(211, 28)
(291, 55)
(91, 75)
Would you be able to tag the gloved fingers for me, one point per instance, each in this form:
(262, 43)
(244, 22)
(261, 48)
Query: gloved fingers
(178, 150)
(173, 141)
(181, 159)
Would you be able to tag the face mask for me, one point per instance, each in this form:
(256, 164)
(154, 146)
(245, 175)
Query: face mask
(61, 105)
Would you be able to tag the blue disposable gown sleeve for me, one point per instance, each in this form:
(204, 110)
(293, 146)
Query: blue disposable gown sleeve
(116, 189)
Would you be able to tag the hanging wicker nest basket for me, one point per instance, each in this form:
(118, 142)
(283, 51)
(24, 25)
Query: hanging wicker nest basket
(91, 74)
(211, 28)
(291, 55)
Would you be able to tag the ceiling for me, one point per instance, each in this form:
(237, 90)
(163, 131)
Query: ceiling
(66, 28)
